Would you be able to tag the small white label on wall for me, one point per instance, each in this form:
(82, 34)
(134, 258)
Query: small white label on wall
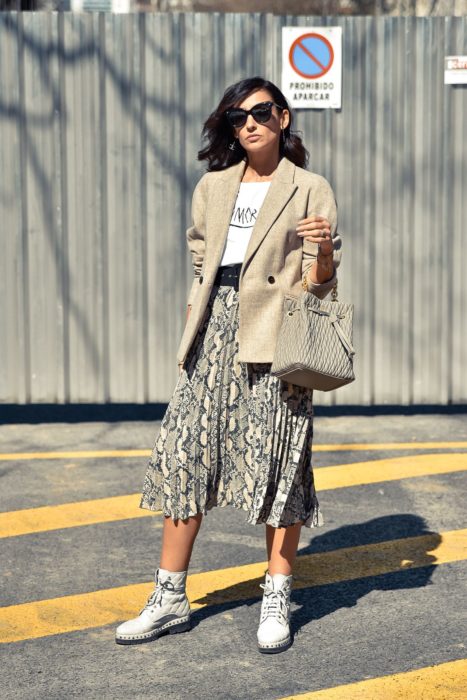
(455, 70)
(116, 6)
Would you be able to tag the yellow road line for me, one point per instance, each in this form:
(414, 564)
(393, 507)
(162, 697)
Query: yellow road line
(446, 681)
(45, 518)
(81, 454)
(382, 446)
(347, 447)
(104, 607)
(392, 469)
(102, 510)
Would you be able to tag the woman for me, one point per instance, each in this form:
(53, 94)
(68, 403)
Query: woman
(233, 434)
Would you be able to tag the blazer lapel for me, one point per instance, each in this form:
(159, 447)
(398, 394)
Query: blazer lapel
(220, 206)
(223, 199)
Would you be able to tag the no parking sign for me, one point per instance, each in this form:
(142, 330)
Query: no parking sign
(312, 66)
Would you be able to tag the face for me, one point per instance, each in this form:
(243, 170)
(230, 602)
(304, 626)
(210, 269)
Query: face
(256, 137)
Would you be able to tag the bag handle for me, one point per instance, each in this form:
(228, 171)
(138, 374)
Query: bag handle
(333, 290)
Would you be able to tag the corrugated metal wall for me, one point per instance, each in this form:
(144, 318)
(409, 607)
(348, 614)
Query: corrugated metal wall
(100, 120)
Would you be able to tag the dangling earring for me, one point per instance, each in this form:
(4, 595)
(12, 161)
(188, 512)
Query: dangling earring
(282, 136)
(233, 144)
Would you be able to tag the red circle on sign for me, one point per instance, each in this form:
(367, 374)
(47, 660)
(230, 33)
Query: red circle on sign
(316, 36)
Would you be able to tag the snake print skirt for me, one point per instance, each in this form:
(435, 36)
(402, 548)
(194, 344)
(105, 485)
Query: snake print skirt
(233, 434)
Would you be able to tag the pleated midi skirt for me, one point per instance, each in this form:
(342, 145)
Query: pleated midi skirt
(233, 434)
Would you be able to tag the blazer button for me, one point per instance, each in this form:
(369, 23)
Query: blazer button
(271, 279)
(201, 279)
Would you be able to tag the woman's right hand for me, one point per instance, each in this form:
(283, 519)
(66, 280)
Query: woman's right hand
(317, 229)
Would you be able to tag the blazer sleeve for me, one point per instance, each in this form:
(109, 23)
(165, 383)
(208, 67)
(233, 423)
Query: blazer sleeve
(322, 201)
(195, 234)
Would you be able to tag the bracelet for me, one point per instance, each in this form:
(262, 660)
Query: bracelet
(325, 260)
(305, 276)
(324, 255)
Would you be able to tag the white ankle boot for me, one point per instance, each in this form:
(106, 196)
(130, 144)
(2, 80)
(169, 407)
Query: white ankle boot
(167, 610)
(274, 630)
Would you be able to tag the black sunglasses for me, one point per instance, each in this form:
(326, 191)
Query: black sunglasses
(261, 113)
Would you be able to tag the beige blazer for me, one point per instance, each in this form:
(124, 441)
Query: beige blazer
(276, 257)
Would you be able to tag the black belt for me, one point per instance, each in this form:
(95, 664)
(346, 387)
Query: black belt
(228, 275)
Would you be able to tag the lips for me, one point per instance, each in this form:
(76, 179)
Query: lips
(253, 138)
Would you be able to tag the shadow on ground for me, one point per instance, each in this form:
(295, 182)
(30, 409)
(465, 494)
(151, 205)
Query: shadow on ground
(398, 549)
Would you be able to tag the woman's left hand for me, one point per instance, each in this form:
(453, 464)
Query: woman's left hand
(317, 229)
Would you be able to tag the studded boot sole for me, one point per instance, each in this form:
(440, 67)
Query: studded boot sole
(276, 647)
(170, 626)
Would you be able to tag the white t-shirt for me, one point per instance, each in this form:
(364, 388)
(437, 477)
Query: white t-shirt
(247, 205)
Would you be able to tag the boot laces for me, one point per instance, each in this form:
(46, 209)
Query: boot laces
(274, 604)
(156, 596)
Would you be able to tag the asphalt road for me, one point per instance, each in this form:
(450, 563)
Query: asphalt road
(379, 598)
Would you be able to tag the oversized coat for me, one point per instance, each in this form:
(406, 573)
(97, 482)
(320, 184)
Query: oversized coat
(276, 257)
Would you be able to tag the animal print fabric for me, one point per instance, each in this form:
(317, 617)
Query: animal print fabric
(233, 434)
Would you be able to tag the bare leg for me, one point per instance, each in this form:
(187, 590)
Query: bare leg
(282, 544)
(178, 538)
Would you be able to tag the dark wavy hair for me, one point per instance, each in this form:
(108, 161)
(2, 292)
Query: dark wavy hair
(219, 134)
